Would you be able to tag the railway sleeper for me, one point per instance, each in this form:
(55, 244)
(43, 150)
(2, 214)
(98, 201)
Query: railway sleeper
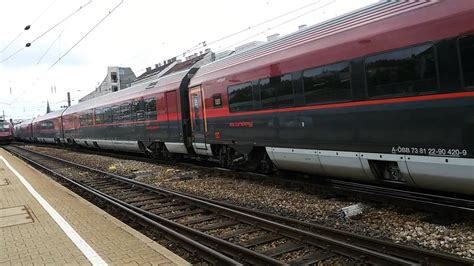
(313, 258)
(185, 213)
(218, 225)
(198, 220)
(282, 249)
(260, 240)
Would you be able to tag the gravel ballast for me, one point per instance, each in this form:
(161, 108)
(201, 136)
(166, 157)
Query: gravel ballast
(377, 220)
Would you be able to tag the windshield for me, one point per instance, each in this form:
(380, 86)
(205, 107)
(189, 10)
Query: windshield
(4, 127)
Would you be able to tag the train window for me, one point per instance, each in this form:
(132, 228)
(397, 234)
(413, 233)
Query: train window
(4, 127)
(125, 112)
(267, 92)
(84, 120)
(150, 107)
(407, 71)
(138, 110)
(240, 97)
(466, 49)
(99, 116)
(108, 116)
(285, 95)
(116, 114)
(217, 100)
(46, 125)
(327, 84)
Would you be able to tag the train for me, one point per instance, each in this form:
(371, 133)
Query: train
(384, 94)
(6, 132)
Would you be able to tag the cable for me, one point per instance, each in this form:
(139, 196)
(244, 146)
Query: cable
(95, 26)
(44, 33)
(251, 27)
(49, 48)
(278, 25)
(57, 24)
(11, 42)
(44, 11)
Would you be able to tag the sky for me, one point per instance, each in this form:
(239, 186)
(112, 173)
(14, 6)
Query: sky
(137, 34)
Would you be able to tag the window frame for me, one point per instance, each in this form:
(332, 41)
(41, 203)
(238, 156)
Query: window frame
(401, 95)
(461, 70)
(351, 89)
(253, 97)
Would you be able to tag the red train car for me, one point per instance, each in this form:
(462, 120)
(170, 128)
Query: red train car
(384, 94)
(6, 132)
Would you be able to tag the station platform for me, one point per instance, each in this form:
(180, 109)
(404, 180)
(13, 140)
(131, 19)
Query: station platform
(42, 222)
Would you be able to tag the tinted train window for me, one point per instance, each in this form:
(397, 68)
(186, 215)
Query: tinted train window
(466, 49)
(138, 110)
(99, 116)
(46, 125)
(240, 97)
(285, 93)
(108, 116)
(150, 106)
(125, 112)
(407, 71)
(116, 114)
(327, 84)
(268, 92)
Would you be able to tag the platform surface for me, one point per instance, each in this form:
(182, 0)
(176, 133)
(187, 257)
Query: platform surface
(70, 231)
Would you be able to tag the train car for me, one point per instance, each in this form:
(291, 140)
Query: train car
(384, 94)
(48, 128)
(24, 131)
(6, 132)
(147, 118)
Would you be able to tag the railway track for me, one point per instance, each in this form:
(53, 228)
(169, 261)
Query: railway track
(454, 206)
(222, 233)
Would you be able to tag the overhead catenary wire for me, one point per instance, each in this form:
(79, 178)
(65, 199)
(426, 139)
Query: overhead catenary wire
(49, 48)
(45, 32)
(204, 43)
(59, 23)
(278, 25)
(85, 35)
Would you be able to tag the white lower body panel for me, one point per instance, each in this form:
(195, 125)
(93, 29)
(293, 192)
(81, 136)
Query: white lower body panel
(120, 145)
(438, 173)
(176, 147)
(202, 149)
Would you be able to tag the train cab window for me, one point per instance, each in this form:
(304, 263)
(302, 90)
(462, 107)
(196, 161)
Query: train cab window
(150, 108)
(466, 50)
(285, 94)
(327, 84)
(240, 97)
(409, 71)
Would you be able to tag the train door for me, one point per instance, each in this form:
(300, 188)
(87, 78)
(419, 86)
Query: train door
(198, 121)
(172, 113)
(162, 109)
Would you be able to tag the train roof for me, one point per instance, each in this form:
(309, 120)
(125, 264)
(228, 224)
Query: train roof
(318, 36)
(49, 116)
(160, 84)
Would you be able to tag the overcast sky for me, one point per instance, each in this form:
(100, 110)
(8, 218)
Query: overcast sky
(138, 34)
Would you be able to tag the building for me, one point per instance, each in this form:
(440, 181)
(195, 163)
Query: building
(118, 78)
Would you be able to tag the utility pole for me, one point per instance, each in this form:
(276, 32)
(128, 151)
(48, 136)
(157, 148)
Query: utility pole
(68, 99)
